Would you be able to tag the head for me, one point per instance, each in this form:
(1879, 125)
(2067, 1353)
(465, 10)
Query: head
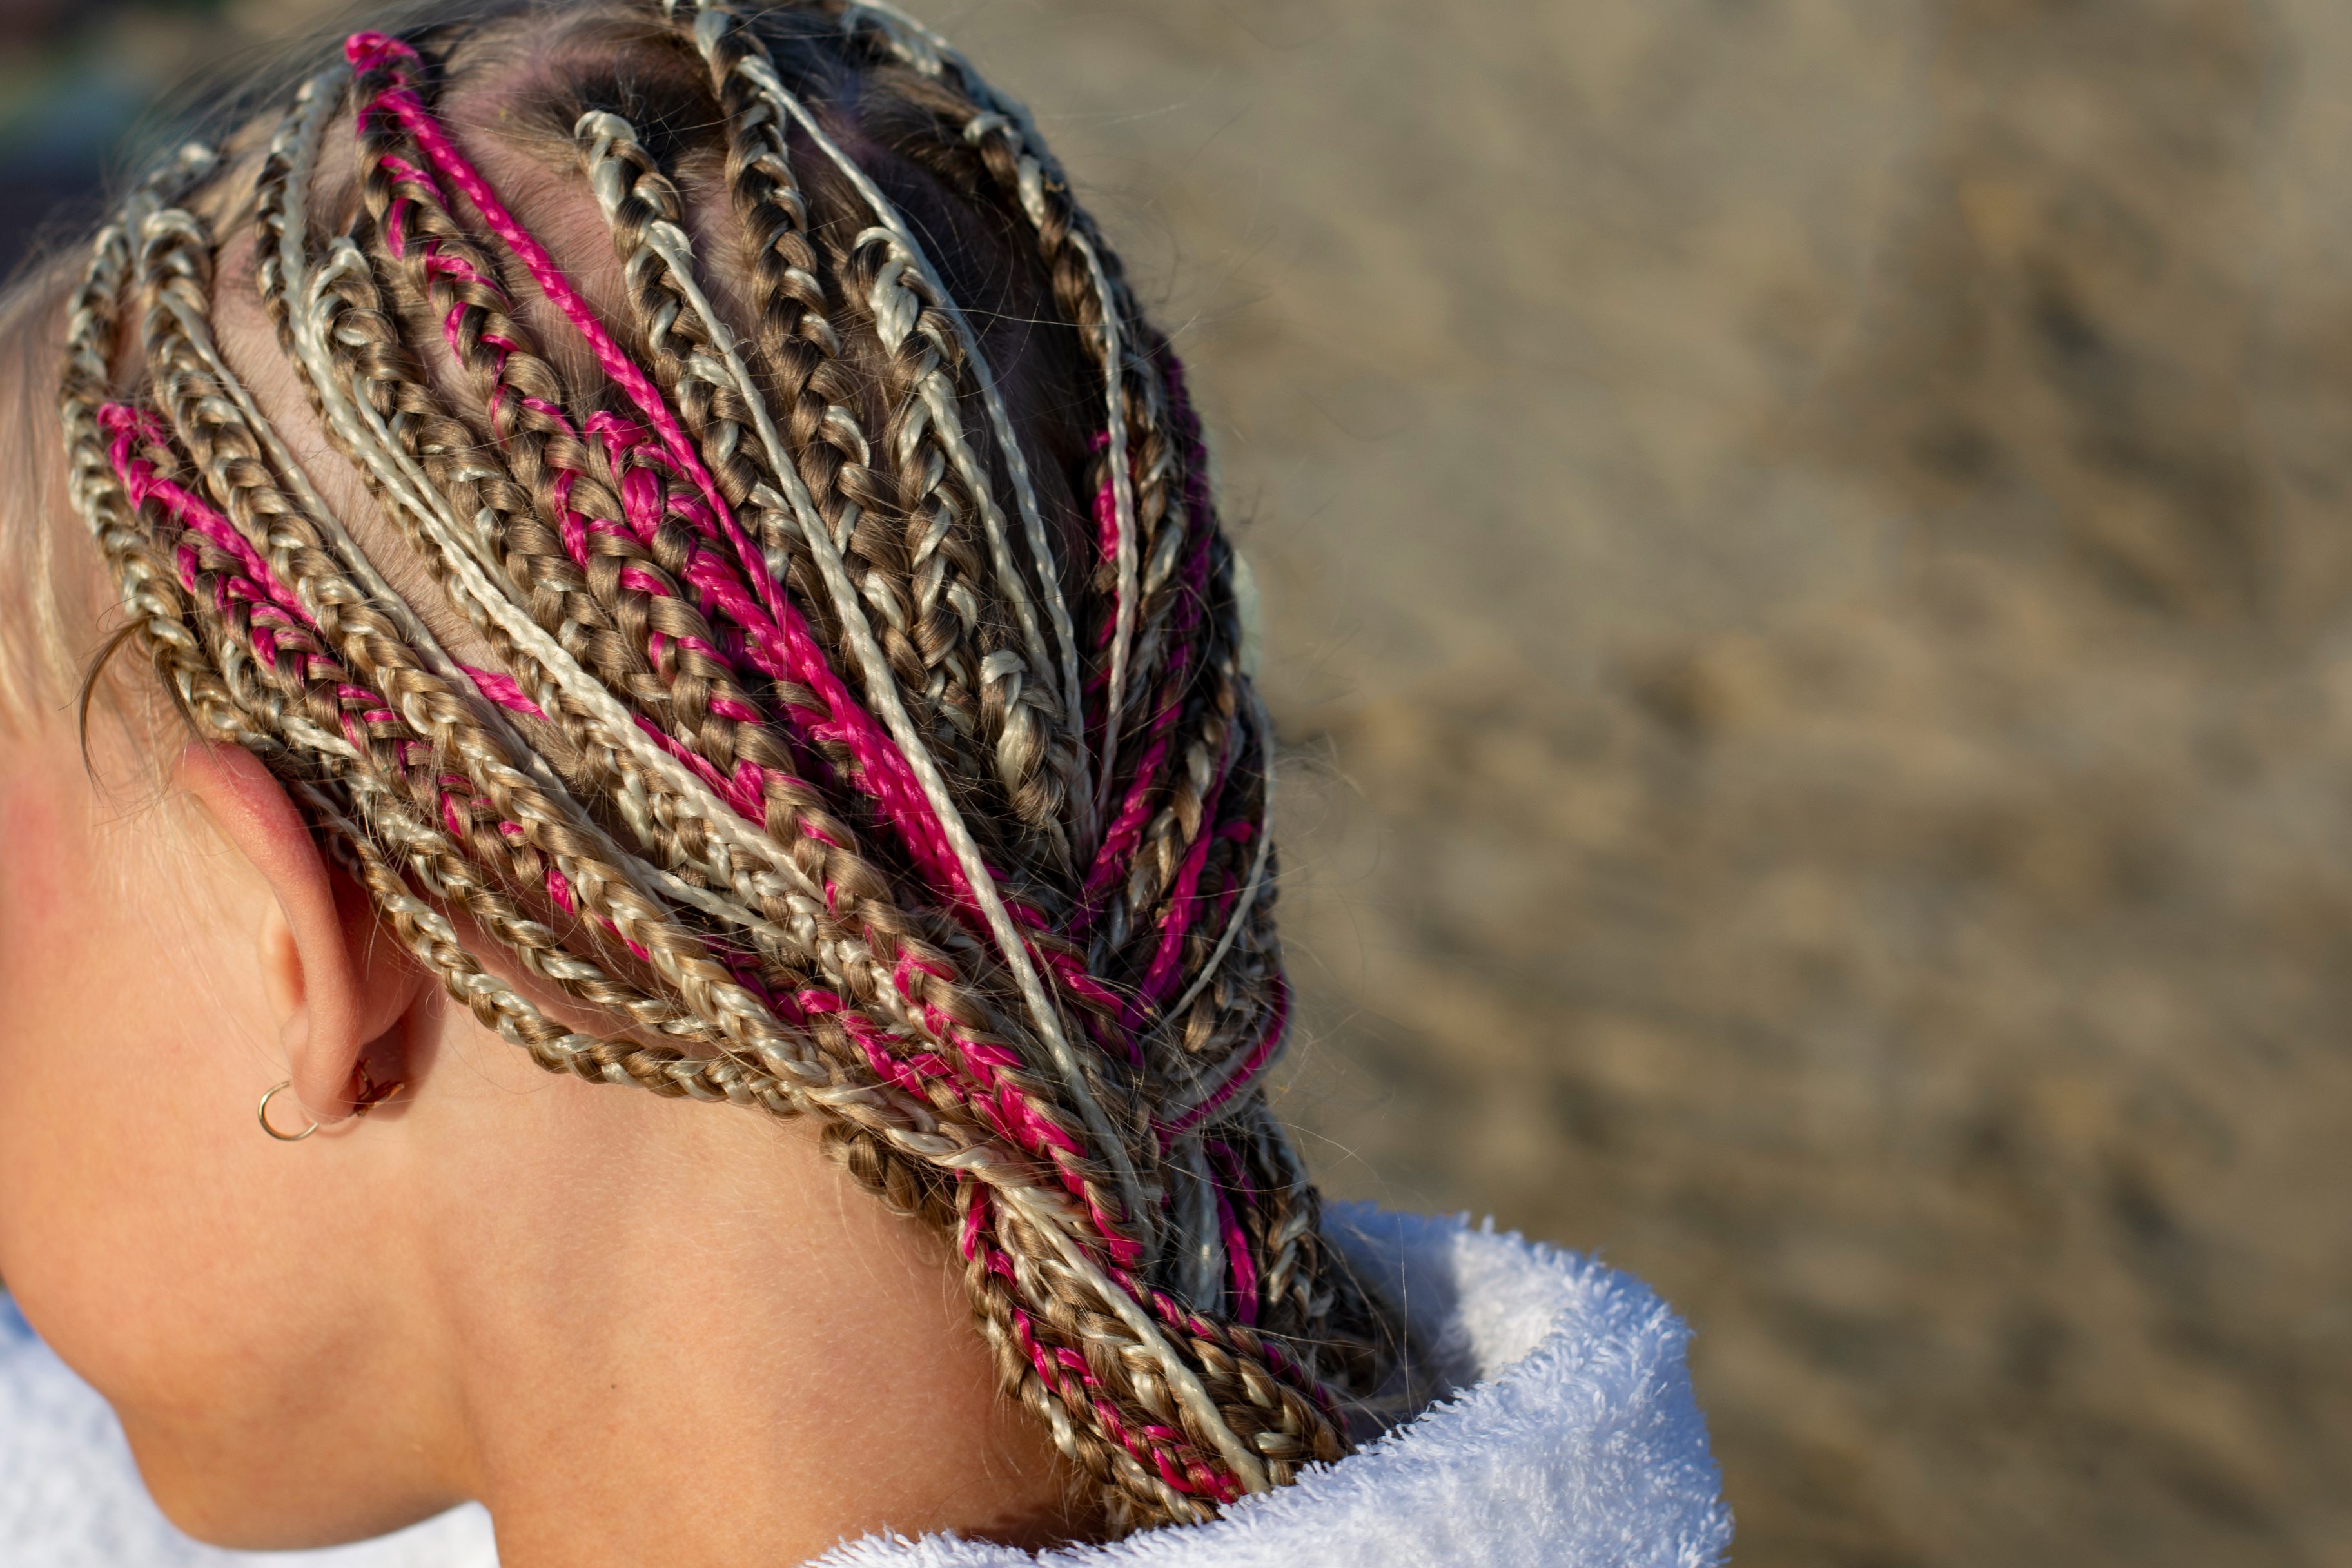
(644, 548)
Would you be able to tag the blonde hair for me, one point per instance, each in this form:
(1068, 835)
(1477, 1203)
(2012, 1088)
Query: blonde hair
(39, 603)
(861, 722)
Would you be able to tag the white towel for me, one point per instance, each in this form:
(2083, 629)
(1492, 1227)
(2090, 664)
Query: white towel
(1574, 1442)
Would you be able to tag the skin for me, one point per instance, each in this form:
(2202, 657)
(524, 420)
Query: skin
(575, 1303)
(639, 1330)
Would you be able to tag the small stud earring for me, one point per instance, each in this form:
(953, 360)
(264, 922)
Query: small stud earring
(372, 1093)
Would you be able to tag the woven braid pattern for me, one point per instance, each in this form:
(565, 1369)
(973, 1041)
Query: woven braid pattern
(813, 746)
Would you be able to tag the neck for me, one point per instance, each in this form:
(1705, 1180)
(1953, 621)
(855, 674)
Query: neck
(680, 1333)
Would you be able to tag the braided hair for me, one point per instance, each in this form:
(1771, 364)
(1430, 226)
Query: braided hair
(857, 720)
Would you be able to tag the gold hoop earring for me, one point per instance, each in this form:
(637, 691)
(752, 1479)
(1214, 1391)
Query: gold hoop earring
(371, 1095)
(263, 1112)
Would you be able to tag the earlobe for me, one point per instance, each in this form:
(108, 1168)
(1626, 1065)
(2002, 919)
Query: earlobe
(335, 985)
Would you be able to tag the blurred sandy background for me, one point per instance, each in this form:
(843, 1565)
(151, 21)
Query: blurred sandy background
(1808, 550)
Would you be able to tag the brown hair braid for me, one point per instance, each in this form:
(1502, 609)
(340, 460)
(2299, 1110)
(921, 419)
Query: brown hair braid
(862, 729)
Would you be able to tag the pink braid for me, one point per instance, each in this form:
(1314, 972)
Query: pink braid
(142, 483)
(796, 656)
(1238, 1252)
(1277, 1020)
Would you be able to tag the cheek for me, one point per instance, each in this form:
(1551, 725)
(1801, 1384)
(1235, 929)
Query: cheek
(116, 1123)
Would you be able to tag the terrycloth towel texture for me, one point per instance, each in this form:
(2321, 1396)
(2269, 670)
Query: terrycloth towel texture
(1574, 1443)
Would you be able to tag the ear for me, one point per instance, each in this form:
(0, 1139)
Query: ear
(339, 984)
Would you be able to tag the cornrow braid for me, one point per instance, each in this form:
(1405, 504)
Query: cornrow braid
(858, 733)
